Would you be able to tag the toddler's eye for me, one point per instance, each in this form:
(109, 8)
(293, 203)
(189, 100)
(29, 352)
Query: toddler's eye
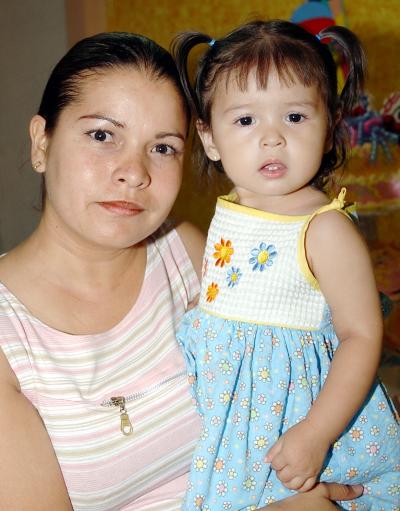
(164, 149)
(245, 121)
(100, 135)
(295, 118)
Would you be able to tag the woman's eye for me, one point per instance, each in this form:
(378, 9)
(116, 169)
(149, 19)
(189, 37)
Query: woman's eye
(164, 149)
(100, 135)
(245, 121)
(295, 118)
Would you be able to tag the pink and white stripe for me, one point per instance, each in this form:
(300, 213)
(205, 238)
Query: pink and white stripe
(68, 377)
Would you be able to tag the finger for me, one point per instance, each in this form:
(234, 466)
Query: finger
(295, 483)
(278, 463)
(336, 491)
(192, 304)
(285, 475)
(275, 449)
(307, 485)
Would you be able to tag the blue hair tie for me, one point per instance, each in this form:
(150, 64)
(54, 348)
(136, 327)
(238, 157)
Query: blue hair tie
(211, 43)
(318, 37)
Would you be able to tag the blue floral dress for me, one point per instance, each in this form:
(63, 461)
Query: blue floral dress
(258, 349)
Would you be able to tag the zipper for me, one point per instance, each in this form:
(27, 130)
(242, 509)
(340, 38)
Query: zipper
(120, 401)
(126, 424)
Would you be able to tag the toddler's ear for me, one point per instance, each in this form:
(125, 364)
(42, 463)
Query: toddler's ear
(207, 140)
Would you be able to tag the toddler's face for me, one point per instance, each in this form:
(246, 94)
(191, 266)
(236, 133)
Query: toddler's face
(270, 141)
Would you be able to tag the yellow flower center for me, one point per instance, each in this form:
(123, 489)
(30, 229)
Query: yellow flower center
(225, 252)
(213, 292)
(262, 257)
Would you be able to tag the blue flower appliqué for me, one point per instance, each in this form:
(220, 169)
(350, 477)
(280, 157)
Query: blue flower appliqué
(263, 256)
(233, 276)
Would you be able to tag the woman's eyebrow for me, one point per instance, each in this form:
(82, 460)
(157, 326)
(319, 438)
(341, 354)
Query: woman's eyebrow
(104, 118)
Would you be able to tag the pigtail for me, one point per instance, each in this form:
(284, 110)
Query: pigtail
(356, 60)
(181, 46)
(343, 104)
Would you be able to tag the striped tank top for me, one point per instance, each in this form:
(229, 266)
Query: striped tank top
(72, 380)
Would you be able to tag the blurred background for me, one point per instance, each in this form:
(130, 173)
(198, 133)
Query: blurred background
(36, 33)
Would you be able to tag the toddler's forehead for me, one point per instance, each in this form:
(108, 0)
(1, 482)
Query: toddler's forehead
(242, 79)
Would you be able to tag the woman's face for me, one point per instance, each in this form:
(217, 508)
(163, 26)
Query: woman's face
(113, 164)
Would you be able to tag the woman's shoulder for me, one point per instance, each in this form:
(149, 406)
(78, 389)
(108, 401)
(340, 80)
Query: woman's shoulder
(11, 270)
(18, 268)
(184, 240)
(194, 241)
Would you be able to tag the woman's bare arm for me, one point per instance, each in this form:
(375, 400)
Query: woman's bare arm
(31, 479)
(194, 240)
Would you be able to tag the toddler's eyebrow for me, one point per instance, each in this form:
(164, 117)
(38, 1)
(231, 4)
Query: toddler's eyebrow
(165, 134)
(237, 107)
(290, 104)
(301, 103)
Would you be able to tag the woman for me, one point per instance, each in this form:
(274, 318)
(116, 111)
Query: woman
(96, 411)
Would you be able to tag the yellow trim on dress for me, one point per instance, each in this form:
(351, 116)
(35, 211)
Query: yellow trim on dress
(257, 322)
(228, 202)
(337, 204)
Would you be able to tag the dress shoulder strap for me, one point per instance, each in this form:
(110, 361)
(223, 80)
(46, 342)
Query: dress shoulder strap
(337, 204)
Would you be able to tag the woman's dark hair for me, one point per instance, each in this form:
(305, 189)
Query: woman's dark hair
(296, 54)
(100, 52)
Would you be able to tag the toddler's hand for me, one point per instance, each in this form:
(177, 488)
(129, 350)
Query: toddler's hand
(193, 303)
(297, 457)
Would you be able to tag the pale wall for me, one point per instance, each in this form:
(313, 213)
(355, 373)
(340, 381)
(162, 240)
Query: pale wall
(32, 39)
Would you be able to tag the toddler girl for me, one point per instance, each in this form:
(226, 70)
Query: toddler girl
(283, 346)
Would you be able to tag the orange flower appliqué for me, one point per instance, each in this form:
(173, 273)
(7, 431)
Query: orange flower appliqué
(212, 292)
(223, 252)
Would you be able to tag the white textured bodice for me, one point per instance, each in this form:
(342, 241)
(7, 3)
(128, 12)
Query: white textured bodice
(255, 268)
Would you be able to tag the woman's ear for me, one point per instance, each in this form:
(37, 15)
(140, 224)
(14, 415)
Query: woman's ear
(207, 140)
(39, 141)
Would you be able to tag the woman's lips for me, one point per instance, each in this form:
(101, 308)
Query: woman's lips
(273, 169)
(122, 208)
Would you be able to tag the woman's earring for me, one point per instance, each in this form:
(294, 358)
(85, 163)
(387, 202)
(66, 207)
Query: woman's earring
(36, 165)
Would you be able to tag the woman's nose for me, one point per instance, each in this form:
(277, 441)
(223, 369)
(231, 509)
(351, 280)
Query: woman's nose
(133, 173)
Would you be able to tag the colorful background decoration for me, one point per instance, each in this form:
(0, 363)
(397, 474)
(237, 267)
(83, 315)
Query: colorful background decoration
(373, 173)
(317, 15)
(372, 176)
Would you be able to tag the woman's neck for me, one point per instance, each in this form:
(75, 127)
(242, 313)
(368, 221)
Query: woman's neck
(65, 257)
(70, 287)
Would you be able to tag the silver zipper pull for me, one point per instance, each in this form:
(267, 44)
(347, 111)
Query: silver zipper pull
(126, 425)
